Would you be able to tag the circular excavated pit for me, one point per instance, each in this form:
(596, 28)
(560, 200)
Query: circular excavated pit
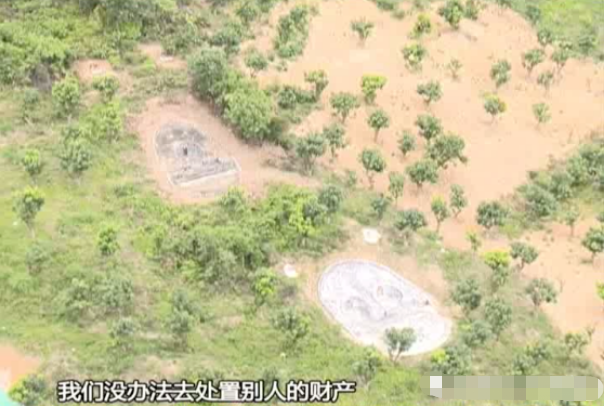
(367, 299)
(188, 160)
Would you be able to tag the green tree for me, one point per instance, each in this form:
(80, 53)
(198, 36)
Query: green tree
(532, 58)
(414, 55)
(472, 9)
(380, 206)
(332, 198)
(423, 171)
(474, 240)
(447, 148)
(452, 12)
(476, 333)
(467, 295)
(183, 316)
(540, 202)
(498, 313)
(491, 214)
(309, 149)
(541, 112)
(107, 240)
(430, 91)
(378, 120)
(76, 157)
(500, 72)
(362, 28)
(499, 262)
(36, 257)
(373, 162)
(575, 343)
(570, 218)
(429, 127)
(396, 185)
(30, 391)
(422, 25)
(255, 61)
(533, 12)
(409, 222)
(27, 204)
(370, 85)
(594, 241)
(122, 332)
(527, 254)
(457, 200)
(398, 341)
(334, 135)
(293, 324)
(66, 96)
(344, 103)
(560, 56)
(441, 211)
(107, 86)
(546, 79)
(541, 291)
(318, 80)
(264, 286)
(452, 360)
(531, 356)
(406, 143)
(366, 368)
(250, 111)
(209, 69)
(247, 11)
(494, 106)
(545, 37)
(32, 163)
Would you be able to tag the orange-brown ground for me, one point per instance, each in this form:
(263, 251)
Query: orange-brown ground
(14, 366)
(500, 154)
(259, 165)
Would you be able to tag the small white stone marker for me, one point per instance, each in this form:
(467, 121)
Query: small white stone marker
(290, 271)
(371, 236)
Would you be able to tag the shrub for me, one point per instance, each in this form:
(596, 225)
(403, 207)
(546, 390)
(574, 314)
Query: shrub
(414, 55)
(66, 96)
(467, 295)
(292, 32)
(362, 28)
(406, 143)
(370, 84)
(430, 92)
(318, 79)
(452, 12)
(108, 86)
(491, 214)
(423, 171)
(309, 149)
(250, 111)
(422, 26)
(373, 162)
(399, 341)
(255, 61)
(344, 103)
(500, 72)
(209, 69)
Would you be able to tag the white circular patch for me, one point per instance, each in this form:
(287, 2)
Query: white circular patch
(371, 236)
(290, 271)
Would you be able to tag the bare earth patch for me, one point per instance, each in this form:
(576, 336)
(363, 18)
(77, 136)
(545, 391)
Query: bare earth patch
(500, 154)
(90, 69)
(156, 53)
(258, 165)
(14, 366)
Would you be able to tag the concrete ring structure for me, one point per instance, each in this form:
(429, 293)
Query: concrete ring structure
(367, 299)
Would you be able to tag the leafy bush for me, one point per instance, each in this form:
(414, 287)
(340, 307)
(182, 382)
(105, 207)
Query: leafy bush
(250, 111)
(292, 32)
